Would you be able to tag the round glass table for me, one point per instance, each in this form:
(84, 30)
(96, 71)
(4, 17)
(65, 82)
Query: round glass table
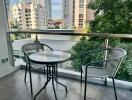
(51, 59)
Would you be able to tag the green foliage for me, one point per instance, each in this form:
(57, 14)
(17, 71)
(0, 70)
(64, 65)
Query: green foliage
(21, 36)
(87, 28)
(125, 71)
(112, 16)
(57, 27)
(12, 37)
(85, 45)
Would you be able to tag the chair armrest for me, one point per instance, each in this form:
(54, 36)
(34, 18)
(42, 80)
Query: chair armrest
(26, 57)
(92, 64)
(95, 67)
(86, 57)
(47, 46)
(94, 51)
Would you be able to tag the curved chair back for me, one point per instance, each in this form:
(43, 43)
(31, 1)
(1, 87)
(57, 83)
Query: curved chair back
(33, 47)
(114, 60)
(29, 47)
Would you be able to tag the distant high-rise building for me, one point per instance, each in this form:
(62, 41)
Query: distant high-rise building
(83, 14)
(21, 16)
(67, 6)
(76, 13)
(32, 15)
(40, 13)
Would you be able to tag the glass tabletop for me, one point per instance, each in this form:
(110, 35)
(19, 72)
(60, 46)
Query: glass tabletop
(49, 56)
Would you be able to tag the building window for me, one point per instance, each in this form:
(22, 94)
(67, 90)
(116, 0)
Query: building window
(27, 18)
(80, 24)
(81, 1)
(80, 15)
(81, 5)
(80, 20)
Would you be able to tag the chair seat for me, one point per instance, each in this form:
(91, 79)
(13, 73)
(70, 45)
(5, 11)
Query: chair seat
(37, 66)
(93, 71)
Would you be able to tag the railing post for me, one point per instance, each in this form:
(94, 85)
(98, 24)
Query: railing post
(106, 46)
(36, 39)
(11, 55)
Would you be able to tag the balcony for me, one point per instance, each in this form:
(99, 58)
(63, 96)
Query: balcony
(65, 41)
(13, 87)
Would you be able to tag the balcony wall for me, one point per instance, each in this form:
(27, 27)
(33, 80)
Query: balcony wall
(5, 66)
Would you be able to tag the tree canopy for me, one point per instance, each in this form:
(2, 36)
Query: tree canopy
(111, 16)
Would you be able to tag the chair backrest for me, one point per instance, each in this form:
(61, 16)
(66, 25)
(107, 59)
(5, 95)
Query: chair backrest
(114, 60)
(30, 47)
(33, 47)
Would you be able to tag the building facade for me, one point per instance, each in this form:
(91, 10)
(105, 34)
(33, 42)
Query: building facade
(32, 15)
(40, 13)
(67, 6)
(76, 13)
(21, 16)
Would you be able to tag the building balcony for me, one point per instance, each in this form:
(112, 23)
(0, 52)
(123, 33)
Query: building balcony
(12, 65)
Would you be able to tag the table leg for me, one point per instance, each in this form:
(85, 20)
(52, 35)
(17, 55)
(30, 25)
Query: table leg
(56, 72)
(56, 78)
(41, 89)
(62, 85)
(52, 74)
(53, 78)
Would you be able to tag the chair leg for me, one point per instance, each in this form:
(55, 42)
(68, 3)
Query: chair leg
(105, 81)
(81, 76)
(44, 70)
(54, 88)
(114, 88)
(30, 76)
(85, 86)
(25, 72)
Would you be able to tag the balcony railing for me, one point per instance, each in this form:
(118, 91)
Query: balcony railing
(67, 40)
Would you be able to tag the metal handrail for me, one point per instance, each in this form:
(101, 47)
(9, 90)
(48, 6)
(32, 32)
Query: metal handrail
(74, 34)
(106, 36)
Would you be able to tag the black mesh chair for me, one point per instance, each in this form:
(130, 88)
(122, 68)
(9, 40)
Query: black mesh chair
(105, 65)
(28, 49)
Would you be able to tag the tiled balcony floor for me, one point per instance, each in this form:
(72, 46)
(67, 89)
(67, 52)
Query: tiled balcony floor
(13, 87)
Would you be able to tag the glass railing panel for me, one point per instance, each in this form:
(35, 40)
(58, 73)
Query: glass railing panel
(76, 44)
(17, 40)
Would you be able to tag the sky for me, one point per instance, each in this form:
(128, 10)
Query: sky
(56, 7)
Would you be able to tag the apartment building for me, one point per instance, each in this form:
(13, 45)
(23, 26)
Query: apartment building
(67, 6)
(40, 13)
(32, 15)
(76, 13)
(21, 17)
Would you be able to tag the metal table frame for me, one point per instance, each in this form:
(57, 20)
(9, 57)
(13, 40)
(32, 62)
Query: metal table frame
(52, 75)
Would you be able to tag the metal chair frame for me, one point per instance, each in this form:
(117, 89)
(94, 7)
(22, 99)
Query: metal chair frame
(88, 65)
(37, 47)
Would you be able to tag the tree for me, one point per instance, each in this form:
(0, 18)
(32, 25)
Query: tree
(114, 16)
(87, 28)
(111, 16)
(85, 45)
